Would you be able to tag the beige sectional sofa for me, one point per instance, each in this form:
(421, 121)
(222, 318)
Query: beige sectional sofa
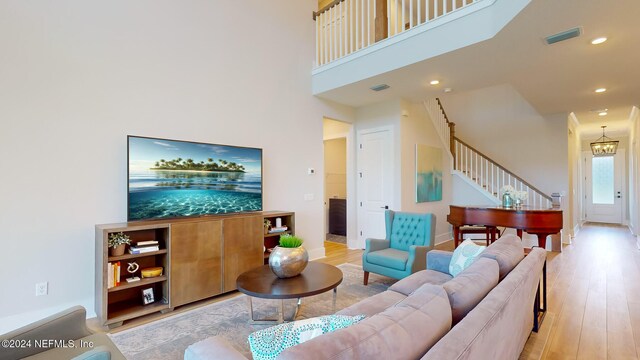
(486, 312)
(61, 336)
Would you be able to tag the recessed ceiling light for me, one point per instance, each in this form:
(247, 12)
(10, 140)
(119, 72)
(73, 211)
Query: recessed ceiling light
(599, 40)
(448, 90)
(601, 90)
(434, 82)
(602, 113)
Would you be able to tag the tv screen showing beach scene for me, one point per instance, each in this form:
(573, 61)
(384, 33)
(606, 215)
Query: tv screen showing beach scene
(170, 179)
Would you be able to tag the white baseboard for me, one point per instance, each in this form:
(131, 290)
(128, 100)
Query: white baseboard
(317, 253)
(443, 238)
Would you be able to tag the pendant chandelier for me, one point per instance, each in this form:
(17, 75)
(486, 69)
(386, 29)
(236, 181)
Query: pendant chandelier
(604, 146)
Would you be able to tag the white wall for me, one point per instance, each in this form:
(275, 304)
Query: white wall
(634, 172)
(78, 76)
(335, 168)
(417, 128)
(500, 123)
(574, 163)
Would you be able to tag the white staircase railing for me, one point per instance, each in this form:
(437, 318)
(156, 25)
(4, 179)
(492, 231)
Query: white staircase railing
(478, 167)
(345, 26)
(492, 176)
(441, 122)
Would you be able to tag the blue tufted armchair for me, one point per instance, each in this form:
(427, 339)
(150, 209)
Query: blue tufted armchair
(404, 250)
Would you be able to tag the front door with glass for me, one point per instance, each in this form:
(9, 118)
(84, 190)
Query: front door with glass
(604, 187)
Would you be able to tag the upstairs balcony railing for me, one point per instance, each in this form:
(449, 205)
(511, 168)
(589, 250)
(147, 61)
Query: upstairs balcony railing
(346, 26)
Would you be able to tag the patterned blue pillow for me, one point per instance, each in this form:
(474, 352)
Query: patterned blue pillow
(463, 256)
(267, 344)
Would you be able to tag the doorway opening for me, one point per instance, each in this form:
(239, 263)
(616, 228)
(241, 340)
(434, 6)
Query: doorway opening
(338, 183)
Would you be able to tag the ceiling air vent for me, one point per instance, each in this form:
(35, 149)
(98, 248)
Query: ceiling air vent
(565, 35)
(380, 87)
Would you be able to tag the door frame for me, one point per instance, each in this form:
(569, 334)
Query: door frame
(586, 156)
(360, 243)
(352, 238)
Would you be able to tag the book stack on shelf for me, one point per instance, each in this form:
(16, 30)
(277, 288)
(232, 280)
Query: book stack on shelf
(144, 246)
(279, 229)
(113, 274)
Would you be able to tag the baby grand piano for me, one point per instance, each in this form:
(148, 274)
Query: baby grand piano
(540, 222)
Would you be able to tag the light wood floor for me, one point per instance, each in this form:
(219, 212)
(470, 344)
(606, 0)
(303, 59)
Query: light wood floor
(594, 296)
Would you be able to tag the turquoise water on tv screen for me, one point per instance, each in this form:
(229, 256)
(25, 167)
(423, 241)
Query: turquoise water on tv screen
(169, 178)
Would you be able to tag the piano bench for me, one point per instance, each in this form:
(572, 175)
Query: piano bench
(490, 232)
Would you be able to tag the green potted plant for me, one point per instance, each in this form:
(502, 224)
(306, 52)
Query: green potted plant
(117, 242)
(289, 258)
(267, 225)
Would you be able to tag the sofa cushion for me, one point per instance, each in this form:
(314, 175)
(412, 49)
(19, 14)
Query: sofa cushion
(466, 290)
(507, 251)
(463, 256)
(414, 281)
(214, 347)
(404, 331)
(373, 304)
(391, 258)
(267, 344)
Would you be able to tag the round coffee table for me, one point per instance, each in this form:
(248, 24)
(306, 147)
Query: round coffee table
(261, 282)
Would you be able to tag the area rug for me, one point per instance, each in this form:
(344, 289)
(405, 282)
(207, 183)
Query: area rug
(167, 338)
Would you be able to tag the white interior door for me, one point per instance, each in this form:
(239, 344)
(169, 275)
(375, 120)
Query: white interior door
(375, 181)
(604, 187)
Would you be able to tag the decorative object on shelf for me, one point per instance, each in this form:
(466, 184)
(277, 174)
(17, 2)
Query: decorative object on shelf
(147, 296)
(267, 225)
(131, 269)
(512, 197)
(151, 272)
(521, 196)
(289, 258)
(117, 243)
(508, 193)
(428, 173)
(278, 222)
(604, 146)
(275, 230)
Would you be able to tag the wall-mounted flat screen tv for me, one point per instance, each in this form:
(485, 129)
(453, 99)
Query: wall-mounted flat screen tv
(170, 179)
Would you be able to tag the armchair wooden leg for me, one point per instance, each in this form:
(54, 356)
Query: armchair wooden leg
(366, 278)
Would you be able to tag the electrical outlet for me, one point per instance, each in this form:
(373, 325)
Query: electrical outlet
(42, 288)
(308, 197)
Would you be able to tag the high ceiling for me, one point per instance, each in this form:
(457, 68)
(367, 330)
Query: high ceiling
(554, 78)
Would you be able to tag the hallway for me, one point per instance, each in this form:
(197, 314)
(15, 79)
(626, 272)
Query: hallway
(594, 297)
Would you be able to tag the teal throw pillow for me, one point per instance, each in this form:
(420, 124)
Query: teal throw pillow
(267, 344)
(463, 256)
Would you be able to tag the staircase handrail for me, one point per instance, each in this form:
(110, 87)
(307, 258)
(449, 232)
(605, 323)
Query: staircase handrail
(452, 131)
(502, 167)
